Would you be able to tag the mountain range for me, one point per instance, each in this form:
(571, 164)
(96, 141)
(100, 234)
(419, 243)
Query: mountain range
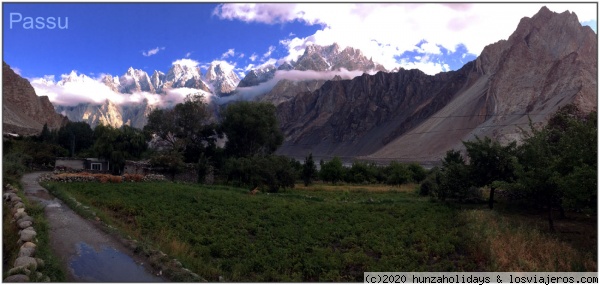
(336, 102)
(548, 62)
(219, 81)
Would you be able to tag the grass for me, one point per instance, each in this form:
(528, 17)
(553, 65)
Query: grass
(358, 188)
(521, 243)
(10, 249)
(52, 266)
(297, 235)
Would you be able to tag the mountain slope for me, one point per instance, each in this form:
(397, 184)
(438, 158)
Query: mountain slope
(359, 116)
(549, 61)
(23, 112)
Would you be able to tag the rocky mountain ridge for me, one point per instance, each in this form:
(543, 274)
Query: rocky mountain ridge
(23, 111)
(315, 58)
(549, 61)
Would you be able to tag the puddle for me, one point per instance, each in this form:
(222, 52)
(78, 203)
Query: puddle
(41, 194)
(108, 265)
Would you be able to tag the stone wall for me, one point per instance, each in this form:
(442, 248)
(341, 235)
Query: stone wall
(189, 174)
(25, 266)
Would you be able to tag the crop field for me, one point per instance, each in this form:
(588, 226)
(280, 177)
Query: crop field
(290, 236)
(316, 233)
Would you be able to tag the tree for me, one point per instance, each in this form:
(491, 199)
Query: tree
(490, 162)
(76, 136)
(452, 180)
(45, 135)
(332, 170)
(417, 171)
(187, 128)
(557, 164)
(118, 145)
(251, 129)
(429, 186)
(273, 172)
(359, 172)
(309, 170)
(398, 173)
(574, 137)
(170, 161)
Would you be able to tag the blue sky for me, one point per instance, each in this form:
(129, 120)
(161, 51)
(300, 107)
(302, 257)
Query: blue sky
(108, 38)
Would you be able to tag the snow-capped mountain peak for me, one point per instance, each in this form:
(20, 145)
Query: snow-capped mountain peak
(135, 80)
(73, 78)
(222, 77)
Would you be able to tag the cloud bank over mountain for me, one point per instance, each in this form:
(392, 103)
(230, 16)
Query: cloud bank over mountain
(74, 89)
(249, 93)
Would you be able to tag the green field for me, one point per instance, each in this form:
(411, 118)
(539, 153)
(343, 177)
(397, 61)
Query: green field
(310, 234)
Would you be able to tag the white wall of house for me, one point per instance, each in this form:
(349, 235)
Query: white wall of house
(71, 163)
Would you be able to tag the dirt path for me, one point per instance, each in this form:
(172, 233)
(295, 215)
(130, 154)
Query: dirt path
(88, 253)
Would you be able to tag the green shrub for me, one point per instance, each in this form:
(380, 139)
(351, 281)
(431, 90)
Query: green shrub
(273, 172)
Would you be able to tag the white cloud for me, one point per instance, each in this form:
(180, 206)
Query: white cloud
(249, 93)
(425, 64)
(269, 52)
(152, 51)
(228, 53)
(385, 31)
(241, 55)
(16, 70)
(253, 57)
(186, 62)
(188, 54)
(74, 89)
(224, 65)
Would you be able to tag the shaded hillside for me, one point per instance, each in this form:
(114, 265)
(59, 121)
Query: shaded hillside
(359, 116)
(23, 112)
(549, 61)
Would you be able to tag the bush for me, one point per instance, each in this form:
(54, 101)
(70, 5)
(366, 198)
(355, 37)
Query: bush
(360, 173)
(398, 173)
(273, 172)
(332, 170)
(429, 185)
(133, 177)
(15, 164)
(418, 173)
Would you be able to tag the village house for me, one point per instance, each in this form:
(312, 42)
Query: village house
(90, 164)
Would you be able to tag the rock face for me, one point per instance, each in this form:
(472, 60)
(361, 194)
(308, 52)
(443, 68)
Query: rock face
(315, 58)
(359, 116)
(183, 76)
(24, 112)
(286, 89)
(549, 61)
(323, 58)
(109, 114)
(135, 80)
(258, 76)
(222, 77)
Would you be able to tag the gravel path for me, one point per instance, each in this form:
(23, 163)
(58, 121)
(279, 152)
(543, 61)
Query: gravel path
(90, 254)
